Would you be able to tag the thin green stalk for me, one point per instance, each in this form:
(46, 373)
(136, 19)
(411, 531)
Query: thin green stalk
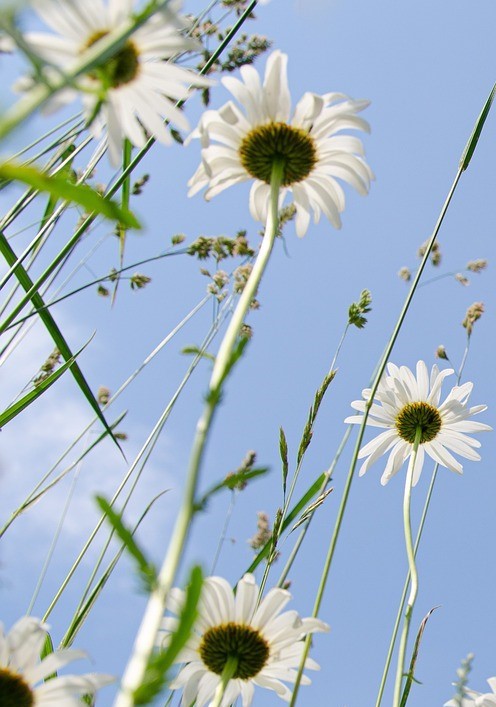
(94, 282)
(410, 551)
(405, 589)
(146, 636)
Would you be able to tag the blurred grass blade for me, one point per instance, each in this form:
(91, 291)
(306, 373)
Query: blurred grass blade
(476, 133)
(146, 569)
(54, 331)
(160, 662)
(59, 187)
(410, 675)
(11, 412)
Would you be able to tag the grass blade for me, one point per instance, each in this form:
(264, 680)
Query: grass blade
(54, 331)
(11, 412)
(59, 187)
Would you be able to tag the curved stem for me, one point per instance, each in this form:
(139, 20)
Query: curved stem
(410, 551)
(146, 636)
(405, 589)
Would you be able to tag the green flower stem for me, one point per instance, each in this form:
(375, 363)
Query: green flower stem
(227, 674)
(102, 50)
(405, 589)
(146, 636)
(410, 551)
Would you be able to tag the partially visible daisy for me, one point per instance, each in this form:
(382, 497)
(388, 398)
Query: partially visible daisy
(265, 644)
(476, 699)
(24, 679)
(134, 90)
(404, 403)
(310, 145)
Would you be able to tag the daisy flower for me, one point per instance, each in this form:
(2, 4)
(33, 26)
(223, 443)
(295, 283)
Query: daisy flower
(264, 643)
(313, 152)
(134, 90)
(405, 403)
(26, 682)
(476, 699)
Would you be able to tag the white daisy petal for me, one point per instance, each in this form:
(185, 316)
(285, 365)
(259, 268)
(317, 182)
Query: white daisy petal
(246, 599)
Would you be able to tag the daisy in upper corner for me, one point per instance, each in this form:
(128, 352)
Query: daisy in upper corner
(311, 146)
(406, 405)
(257, 643)
(25, 681)
(133, 90)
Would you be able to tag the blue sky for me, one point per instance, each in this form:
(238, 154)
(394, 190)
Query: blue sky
(427, 69)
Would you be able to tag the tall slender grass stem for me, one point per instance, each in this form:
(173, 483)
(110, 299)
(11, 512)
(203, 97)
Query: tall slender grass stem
(146, 636)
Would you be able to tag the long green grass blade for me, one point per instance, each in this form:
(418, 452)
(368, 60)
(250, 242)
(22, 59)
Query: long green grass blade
(20, 405)
(476, 133)
(54, 331)
(146, 569)
(59, 187)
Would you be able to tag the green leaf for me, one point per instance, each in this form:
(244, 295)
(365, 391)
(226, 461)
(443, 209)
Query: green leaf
(410, 675)
(58, 186)
(231, 482)
(17, 407)
(196, 351)
(160, 663)
(476, 133)
(146, 569)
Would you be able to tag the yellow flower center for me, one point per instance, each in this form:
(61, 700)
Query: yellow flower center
(418, 415)
(291, 147)
(238, 642)
(121, 68)
(14, 691)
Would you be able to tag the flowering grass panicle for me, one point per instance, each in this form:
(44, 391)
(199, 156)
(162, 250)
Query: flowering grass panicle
(405, 403)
